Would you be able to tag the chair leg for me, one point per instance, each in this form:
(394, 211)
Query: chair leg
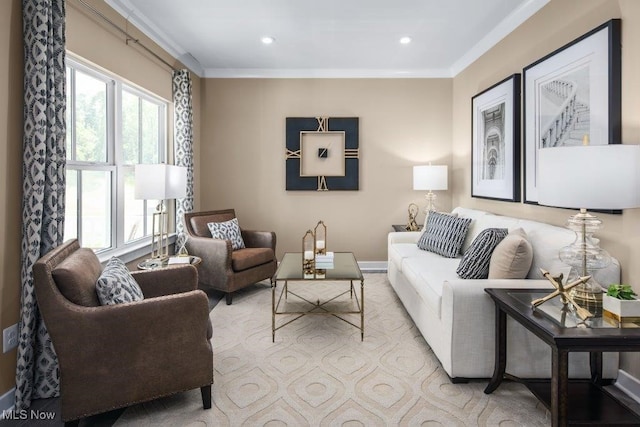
(229, 298)
(206, 396)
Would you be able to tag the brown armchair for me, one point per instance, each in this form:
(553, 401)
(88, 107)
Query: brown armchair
(223, 268)
(118, 355)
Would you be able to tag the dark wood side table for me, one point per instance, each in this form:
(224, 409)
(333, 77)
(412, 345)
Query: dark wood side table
(583, 402)
(398, 227)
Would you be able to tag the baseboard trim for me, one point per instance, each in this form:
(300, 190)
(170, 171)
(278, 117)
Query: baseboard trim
(629, 384)
(373, 266)
(7, 402)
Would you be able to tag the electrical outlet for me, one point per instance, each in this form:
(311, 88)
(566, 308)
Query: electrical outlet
(10, 338)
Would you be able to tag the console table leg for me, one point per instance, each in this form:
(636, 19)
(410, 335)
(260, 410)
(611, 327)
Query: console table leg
(595, 362)
(501, 351)
(273, 311)
(361, 309)
(559, 386)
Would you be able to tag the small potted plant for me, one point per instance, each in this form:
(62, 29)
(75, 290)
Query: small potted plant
(621, 302)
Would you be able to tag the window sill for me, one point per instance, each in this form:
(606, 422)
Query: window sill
(131, 252)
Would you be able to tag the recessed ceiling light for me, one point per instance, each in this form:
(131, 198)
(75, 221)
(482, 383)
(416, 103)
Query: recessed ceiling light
(267, 40)
(405, 40)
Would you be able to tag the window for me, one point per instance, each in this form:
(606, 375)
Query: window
(111, 126)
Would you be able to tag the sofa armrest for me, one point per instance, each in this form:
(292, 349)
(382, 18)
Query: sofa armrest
(468, 318)
(403, 237)
(464, 300)
(166, 281)
(259, 239)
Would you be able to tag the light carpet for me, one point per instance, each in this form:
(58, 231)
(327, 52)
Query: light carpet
(319, 373)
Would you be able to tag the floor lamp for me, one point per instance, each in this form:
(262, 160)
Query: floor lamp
(160, 182)
(602, 177)
(430, 178)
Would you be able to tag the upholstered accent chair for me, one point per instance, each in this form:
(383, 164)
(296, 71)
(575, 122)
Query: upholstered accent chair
(114, 356)
(223, 268)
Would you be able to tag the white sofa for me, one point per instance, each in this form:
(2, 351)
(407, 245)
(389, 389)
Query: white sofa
(456, 317)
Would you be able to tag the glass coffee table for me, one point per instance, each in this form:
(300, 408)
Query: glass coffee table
(294, 280)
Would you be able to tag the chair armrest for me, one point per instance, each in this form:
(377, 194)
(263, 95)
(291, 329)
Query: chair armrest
(259, 239)
(212, 250)
(166, 281)
(116, 345)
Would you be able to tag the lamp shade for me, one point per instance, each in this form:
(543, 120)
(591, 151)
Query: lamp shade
(160, 181)
(591, 177)
(430, 177)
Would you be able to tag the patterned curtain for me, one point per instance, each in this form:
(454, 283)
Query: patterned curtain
(183, 142)
(43, 184)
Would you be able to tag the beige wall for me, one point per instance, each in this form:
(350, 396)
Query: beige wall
(11, 64)
(403, 122)
(555, 25)
(106, 48)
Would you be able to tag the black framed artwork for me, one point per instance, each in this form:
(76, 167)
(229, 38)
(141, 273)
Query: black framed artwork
(572, 97)
(495, 141)
(322, 153)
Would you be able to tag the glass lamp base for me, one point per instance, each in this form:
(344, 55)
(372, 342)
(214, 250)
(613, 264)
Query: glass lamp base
(589, 296)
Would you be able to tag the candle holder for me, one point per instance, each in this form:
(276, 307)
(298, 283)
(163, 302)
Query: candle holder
(320, 233)
(308, 255)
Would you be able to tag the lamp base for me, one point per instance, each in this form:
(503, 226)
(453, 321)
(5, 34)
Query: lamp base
(589, 296)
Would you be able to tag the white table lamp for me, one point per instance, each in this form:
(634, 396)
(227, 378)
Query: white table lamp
(430, 178)
(601, 177)
(160, 182)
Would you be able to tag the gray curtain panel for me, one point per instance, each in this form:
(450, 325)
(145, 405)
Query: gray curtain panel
(43, 182)
(183, 142)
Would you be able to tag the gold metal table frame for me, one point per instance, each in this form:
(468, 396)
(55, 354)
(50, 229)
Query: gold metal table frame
(345, 268)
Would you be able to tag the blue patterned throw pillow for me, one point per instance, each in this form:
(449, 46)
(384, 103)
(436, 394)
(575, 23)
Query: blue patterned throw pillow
(476, 260)
(227, 230)
(444, 234)
(116, 285)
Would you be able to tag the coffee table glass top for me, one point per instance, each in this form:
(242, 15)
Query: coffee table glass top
(563, 315)
(345, 267)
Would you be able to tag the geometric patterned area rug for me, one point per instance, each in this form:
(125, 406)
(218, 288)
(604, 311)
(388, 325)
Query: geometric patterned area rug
(318, 372)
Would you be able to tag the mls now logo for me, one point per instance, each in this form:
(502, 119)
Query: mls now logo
(24, 414)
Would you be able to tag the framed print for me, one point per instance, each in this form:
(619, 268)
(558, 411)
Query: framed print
(572, 98)
(322, 153)
(495, 141)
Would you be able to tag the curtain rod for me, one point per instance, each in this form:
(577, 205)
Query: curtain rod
(129, 36)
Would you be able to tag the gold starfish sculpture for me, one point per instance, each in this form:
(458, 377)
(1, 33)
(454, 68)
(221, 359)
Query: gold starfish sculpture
(563, 291)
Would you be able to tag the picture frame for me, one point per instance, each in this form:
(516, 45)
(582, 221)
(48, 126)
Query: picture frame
(495, 141)
(572, 96)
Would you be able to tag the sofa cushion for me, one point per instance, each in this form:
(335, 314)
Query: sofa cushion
(512, 257)
(475, 261)
(247, 258)
(116, 285)
(227, 230)
(444, 235)
(399, 251)
(76, 277)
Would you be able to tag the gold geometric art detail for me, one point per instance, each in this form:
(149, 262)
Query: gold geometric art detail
(322, 183)
(323, 124)
(293, 154)
(563, 292)
(351, 153)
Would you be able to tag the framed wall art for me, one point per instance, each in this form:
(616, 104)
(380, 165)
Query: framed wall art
(322, 153)
(572, 98)
(495, 141)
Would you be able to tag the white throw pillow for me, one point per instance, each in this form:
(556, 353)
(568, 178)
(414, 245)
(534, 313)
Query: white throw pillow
(512, 257)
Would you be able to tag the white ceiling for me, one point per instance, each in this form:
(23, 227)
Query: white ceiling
(328, 38)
